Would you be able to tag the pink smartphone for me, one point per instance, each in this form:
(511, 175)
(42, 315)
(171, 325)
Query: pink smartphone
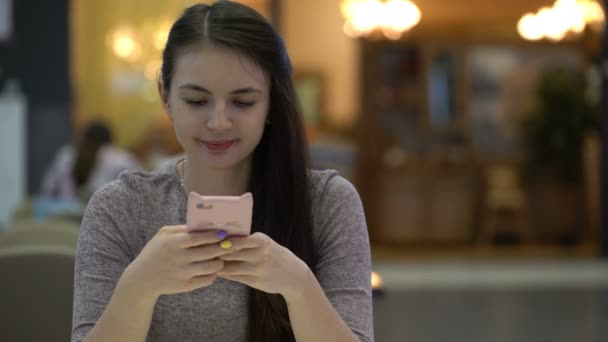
(229, 213)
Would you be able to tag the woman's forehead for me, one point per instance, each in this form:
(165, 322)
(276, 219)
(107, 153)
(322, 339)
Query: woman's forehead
(218, 66)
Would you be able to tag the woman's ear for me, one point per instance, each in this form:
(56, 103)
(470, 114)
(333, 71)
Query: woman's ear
(164, 98)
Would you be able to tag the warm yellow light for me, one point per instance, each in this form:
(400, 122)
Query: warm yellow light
(393, 17)
(400, 15)
(555, 28)
(348, 7)
(160, 37)
(544, 16)
(377, 282)
(565, 4)
(577, 24)
(529, 28)
(565, 17)
(124, 46)
(345, 9)
(159, 40)
(412, 13)
(593, 13)
(367, 16)
(570, 14)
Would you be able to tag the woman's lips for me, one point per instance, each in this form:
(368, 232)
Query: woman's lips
(217, 145)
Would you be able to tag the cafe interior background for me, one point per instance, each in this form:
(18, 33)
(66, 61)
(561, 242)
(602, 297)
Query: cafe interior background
(470, 128)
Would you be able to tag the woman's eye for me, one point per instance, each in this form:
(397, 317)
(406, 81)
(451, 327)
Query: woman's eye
(243, 104)
(196, 102)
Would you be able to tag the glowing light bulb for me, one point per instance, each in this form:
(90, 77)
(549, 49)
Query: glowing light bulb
(529, 28)
(393, 17)
(124, 46)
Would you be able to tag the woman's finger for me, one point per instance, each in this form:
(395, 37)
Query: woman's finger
(205, 252)
(252, 241)
(192, 239)
(197, 269)
(238, 268)
(249, 255)
(200, 281)
(173, 229)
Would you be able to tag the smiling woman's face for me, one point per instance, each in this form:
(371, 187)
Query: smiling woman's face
(218, 103)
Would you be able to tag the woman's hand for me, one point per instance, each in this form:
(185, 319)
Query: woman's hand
(176, 261)
(261, 263)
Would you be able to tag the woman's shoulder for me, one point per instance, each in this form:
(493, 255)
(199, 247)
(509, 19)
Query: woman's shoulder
(337, 214)
(329, 183)
(131, 183)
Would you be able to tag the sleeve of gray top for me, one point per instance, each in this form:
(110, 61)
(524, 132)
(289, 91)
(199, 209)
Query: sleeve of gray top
(102, 254)
(344, 264)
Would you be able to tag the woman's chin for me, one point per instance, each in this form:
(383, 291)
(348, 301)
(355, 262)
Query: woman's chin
(216, 162)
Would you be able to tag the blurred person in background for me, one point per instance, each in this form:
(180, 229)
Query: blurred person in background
(77, 171)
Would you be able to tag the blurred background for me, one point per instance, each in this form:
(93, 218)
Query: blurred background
(471, 129)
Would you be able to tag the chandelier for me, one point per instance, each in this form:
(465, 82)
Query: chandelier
(565, 18)
(391, 17)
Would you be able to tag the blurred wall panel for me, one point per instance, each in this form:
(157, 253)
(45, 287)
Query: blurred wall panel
(12, 153)
(37, 56)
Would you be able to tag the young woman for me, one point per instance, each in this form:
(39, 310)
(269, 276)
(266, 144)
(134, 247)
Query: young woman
(304, 273)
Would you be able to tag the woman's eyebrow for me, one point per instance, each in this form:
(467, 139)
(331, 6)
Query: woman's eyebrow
(197, 87)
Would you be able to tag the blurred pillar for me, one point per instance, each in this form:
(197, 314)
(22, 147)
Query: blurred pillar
(604, 148)
(37, 57)
(275, 13)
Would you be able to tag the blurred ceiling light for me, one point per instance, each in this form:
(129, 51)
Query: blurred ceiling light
(565, 18)
(392, 17)
(593, 13)
(570, 14)
(528, 27)
(123, 43)
(555, 28)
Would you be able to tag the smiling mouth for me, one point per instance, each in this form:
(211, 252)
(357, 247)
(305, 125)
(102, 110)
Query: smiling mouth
(217, 145)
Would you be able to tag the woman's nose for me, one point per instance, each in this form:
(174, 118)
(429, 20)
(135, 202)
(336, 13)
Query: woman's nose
(218, 120)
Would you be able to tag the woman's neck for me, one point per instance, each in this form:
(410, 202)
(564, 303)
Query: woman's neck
(215, 182)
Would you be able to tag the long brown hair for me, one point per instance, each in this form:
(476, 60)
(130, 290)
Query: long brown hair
(279, 178)
(95, 136)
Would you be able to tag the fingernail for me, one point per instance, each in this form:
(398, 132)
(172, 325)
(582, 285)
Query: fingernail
(226, 244)
(222, 234)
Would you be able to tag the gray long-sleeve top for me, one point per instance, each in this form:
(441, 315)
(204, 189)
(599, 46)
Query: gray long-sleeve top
(125, 214)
